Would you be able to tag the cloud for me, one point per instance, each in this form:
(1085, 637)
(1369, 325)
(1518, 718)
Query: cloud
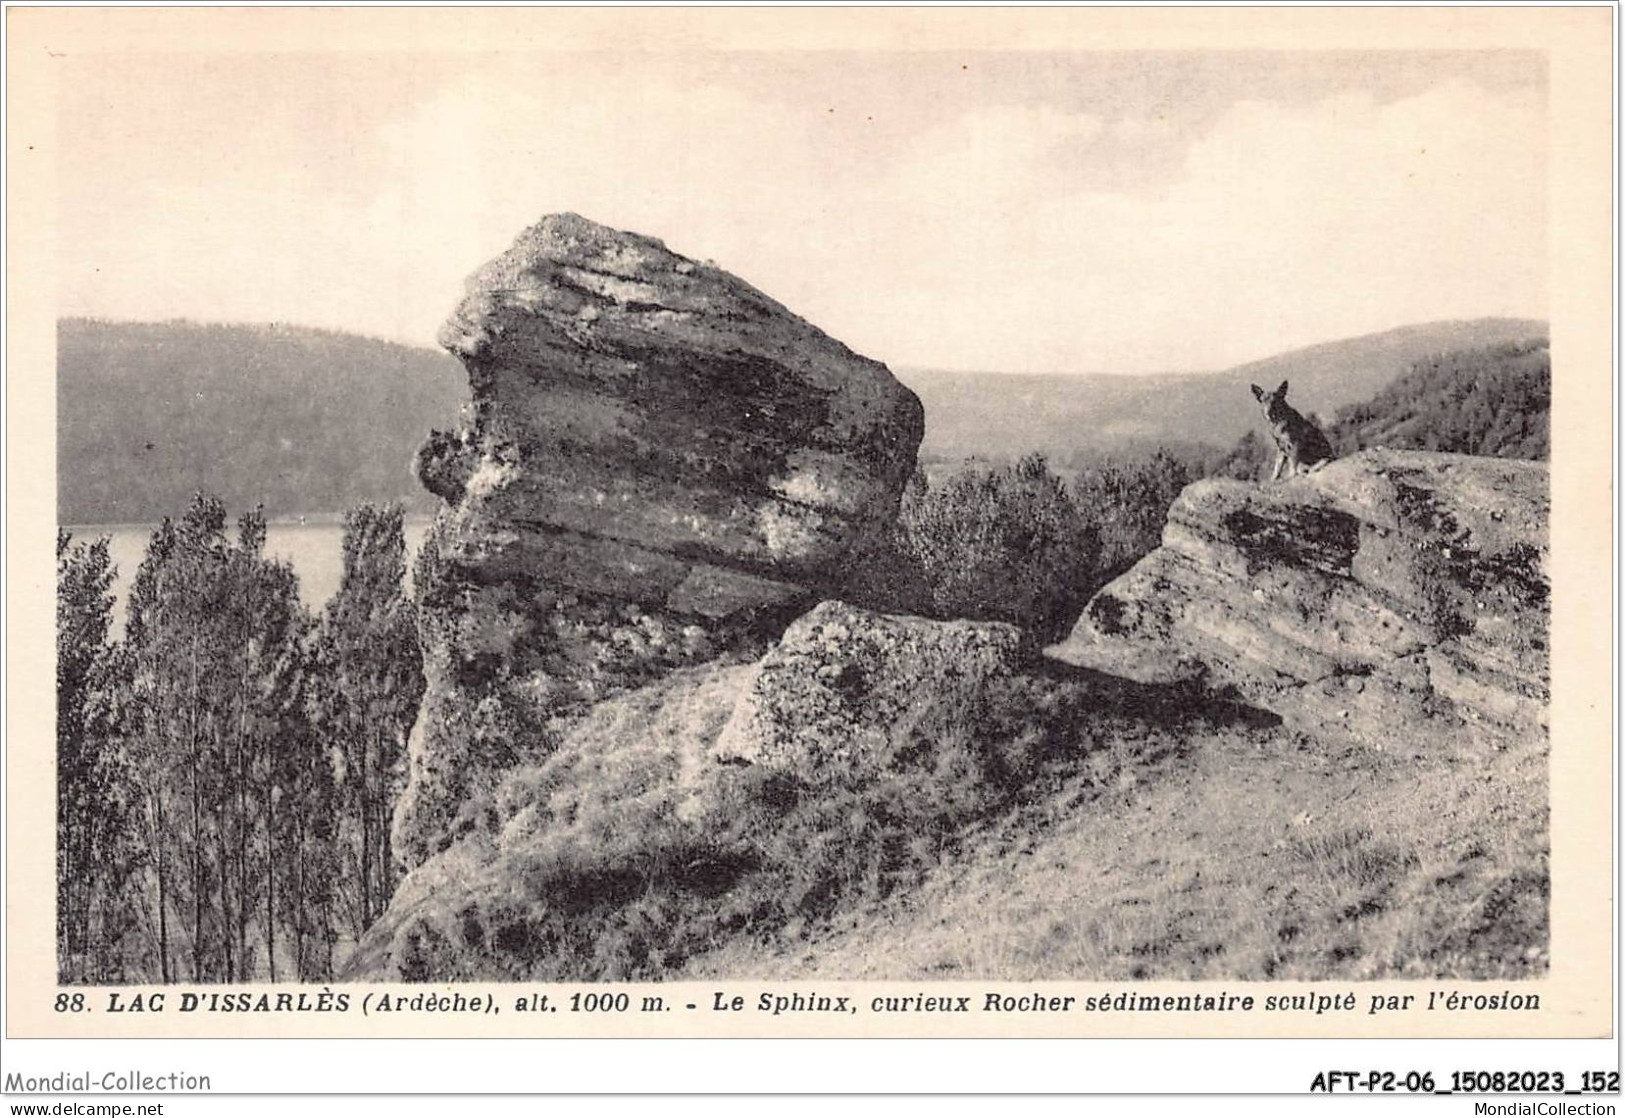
(979, 237)
(1289, 225)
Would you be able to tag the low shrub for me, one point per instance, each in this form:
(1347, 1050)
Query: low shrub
(1001, 544)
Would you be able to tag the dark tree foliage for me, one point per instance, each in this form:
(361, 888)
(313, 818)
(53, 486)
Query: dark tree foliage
(1012, 543)
(98, 855)
(1002, 544)
(303, 822)
(215, 634)
(1494, 402)
(228, 773)
(371, 673)
(1128, 500)
(1248, 460)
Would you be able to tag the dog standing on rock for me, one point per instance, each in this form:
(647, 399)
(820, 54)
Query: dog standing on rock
(1300, 445)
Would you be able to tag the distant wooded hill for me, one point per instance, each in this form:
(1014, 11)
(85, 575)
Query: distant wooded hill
(1495, 401)
(1074, 418)
(315, 421)
(305, 421)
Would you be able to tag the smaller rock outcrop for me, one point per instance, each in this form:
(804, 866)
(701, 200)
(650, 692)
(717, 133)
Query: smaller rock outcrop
(1395, 596)
(722, 797)
(539, 884)
(829, 696)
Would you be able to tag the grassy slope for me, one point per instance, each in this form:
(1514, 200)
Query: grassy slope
(1241, 854)
(1127, 832)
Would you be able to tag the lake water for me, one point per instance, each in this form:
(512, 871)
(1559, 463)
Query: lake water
(316, 552)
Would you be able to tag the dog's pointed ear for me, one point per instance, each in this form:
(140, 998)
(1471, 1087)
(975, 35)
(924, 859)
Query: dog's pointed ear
(1280, 393)
(1258, 393)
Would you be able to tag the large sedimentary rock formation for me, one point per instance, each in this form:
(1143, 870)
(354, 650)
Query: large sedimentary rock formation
(1398, 597)
(657, 461)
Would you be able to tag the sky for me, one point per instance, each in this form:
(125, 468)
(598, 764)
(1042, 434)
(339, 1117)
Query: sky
(1022, 212)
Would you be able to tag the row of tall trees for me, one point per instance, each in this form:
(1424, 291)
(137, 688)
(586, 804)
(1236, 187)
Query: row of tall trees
(227, 770)
(98, 851)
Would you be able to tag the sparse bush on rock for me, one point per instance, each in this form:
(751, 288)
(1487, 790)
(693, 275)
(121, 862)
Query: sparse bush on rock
(1016, 544)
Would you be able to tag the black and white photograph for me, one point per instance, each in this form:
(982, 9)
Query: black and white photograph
(967, 523)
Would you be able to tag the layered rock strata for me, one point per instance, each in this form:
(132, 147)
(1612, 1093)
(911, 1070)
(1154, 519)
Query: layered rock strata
(1399, 597)
(659, 464)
